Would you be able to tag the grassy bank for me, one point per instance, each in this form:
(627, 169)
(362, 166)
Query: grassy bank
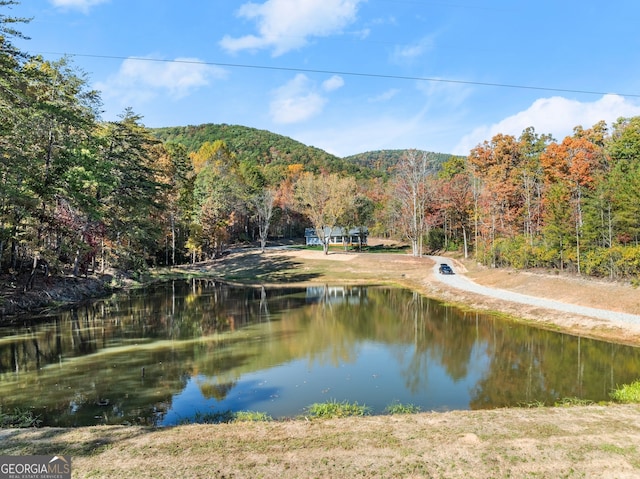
(595, 441)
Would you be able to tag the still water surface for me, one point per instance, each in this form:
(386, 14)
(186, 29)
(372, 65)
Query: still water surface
(174, 352)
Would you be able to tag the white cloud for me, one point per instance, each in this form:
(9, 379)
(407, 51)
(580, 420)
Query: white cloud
(333, 83)
(404, 53)
(140, 80)
(285, 25)
(82, 5)
(385, 96)
(297, 101)
(556, 115)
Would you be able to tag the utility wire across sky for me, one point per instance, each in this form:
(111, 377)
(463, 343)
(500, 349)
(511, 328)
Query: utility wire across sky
(345, 73)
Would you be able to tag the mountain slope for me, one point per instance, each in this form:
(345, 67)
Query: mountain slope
(265, 148)
(262, 147)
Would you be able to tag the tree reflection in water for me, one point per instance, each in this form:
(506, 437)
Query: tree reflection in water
(165, 353)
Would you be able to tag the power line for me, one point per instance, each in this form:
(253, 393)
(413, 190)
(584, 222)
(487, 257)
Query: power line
(346, 73)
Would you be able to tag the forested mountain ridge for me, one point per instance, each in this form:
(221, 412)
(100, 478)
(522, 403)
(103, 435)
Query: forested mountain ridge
(262, 147)
(386, 160)
(265, 147)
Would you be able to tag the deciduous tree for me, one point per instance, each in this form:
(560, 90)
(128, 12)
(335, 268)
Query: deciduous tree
(575, 163)
(456, 204)
(414, 192)
(218, 193)
(498, 199)
(324, 200)
(263, 203)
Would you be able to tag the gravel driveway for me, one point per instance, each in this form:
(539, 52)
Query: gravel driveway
(463, 283)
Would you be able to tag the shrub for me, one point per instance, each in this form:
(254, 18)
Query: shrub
(19, 418)
(628, 393)
(398, 408)
(335, 409)
(251, 416)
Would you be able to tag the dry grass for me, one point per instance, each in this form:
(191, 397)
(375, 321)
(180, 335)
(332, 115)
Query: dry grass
(594, 441)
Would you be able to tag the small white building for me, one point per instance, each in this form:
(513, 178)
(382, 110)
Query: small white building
(338, 236)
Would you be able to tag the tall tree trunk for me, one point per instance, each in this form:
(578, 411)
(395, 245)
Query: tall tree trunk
(464, 239)
(173, 240)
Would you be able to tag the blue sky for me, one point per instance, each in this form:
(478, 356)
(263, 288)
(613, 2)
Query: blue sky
(350, 76)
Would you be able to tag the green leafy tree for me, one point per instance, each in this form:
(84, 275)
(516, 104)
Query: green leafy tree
(218, 190)
(15, 199)
(456, 205)
(624, 179)
(59, 134)
(176, 172)
(359, 215)
(129, 192)
(532, 145)
(558, 224)
(46, 137)
(12, 101)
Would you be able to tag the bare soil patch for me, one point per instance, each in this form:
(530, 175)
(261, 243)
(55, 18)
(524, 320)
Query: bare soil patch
(47, 292)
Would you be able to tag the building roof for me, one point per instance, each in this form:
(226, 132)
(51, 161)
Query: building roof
(338, 231)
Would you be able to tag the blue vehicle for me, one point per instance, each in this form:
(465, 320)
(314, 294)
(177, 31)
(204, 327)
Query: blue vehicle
(445, 269)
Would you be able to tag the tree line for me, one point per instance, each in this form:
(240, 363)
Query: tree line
(80, 193)
(533, 201)
(74, 190)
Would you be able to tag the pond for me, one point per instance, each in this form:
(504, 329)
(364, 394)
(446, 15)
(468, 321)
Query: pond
(179, 351)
